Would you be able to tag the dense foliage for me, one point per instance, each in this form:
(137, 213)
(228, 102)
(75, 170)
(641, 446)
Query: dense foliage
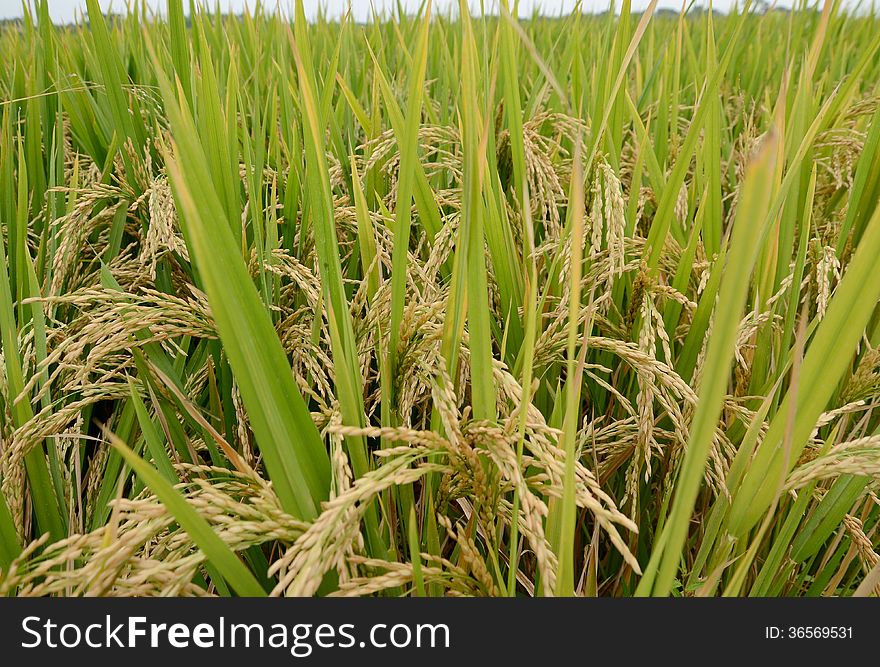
(440, 305)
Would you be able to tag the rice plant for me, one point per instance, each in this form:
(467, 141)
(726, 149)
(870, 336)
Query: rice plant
(440, 303)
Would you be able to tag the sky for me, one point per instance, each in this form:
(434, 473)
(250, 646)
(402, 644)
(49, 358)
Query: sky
(66, 10)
